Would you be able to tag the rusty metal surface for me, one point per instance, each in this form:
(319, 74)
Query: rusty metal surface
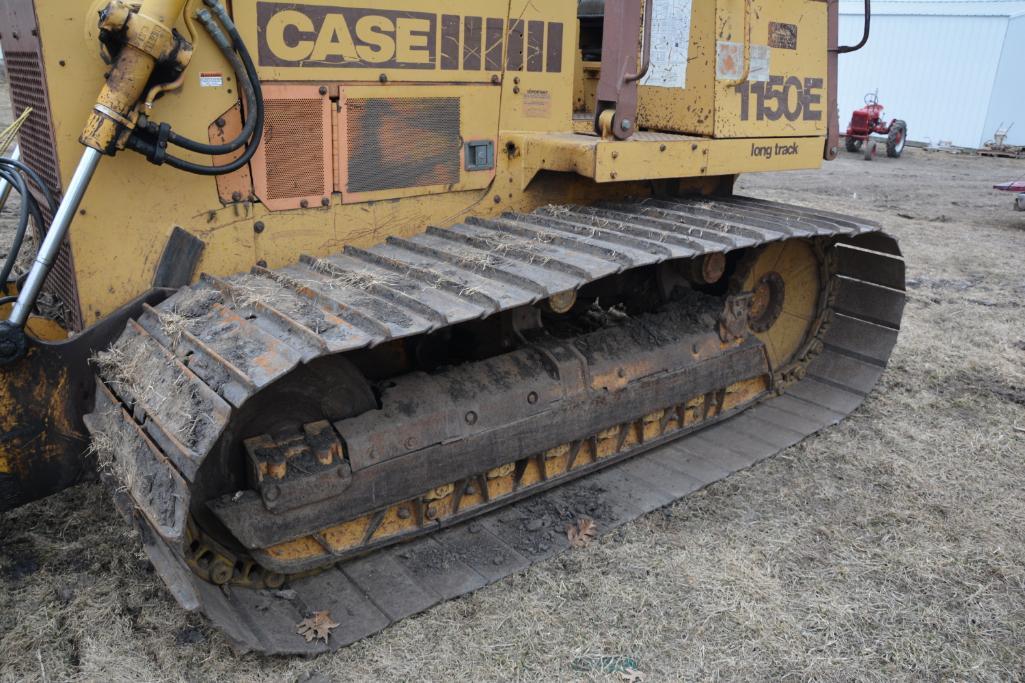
(43, 441)
(230, 344)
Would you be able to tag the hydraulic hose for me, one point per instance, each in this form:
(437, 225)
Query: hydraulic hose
(245, 83)
(15, 172)
(155, 150)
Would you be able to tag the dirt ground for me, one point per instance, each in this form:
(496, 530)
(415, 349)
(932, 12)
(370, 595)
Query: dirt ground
(890, 547)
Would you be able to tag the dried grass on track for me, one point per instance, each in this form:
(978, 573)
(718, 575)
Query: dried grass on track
(890, 547)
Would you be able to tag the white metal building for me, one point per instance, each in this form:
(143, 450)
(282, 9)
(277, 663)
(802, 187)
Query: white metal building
(954, 70)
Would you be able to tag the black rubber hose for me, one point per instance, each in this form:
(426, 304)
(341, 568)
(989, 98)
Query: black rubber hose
(245, 82)
(19, 185)
(36, 180)
(148, 147)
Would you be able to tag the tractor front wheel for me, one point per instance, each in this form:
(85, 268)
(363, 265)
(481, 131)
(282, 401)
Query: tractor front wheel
(853, 144)
(896, 140)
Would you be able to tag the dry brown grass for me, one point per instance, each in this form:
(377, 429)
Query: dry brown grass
(889, 548)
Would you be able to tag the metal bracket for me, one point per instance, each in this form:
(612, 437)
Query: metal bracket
(615, 111)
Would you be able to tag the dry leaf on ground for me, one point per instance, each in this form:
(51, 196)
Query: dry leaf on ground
(582, 533)
(318, 626)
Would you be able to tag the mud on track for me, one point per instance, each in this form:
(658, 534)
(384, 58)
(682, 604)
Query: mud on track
(892, 546)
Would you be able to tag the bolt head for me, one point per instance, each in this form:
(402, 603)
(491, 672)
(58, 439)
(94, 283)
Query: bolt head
(259, 227)
(626, 124)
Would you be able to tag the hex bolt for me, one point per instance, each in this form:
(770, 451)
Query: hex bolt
(305, 204)
(221, 123)
(404, 513)
(410, 443)
(495, 79)
(470, 490)
(383, 78)
(471, 418)
(694, 147)
(432, 512)
(498, 199)
(626, 124)
(323, 90)
(261, 263)
(326, 201)
(532, 398)
(259, 227)
(516, 90)
(236, 196)
(615, 155)
(272, 493)
(661, 148)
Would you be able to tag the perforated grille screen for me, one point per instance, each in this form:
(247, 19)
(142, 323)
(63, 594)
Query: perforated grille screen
(294, 138)
(39, 152)
(62, 284)
(396, 143)
(28, 89)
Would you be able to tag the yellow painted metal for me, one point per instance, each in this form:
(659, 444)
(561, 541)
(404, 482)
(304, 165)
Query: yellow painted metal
(795, 261)
(654, 156)
(479, 105)
(796, 88)
(148, 37)
(440, 504)
(356, 40)
(541, 100)
(132, 206)
(690, 109)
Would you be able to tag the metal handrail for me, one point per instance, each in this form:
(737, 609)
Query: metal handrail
(864, 38)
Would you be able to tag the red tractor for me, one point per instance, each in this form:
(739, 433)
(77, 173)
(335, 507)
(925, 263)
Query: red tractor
(868, 121)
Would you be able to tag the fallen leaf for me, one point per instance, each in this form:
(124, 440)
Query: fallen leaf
(581, 533)
(318, 626)
(632, 676)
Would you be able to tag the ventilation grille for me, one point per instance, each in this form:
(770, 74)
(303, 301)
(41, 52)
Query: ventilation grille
(62, 284)
(28, 89)
(39, 152)
(397, 143)
(294, 138)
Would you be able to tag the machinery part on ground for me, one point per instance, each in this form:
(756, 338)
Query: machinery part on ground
(869, 150)
(317, 441)
(1017, 186)
(896, 139)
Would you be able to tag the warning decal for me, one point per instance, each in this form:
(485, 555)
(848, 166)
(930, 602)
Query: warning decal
(670, 44)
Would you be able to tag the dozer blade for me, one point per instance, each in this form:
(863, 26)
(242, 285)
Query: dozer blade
(274, 477)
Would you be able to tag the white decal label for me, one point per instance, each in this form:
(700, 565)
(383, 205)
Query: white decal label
(211, 80)
(759, 63)
(729, 62)
(670, 44)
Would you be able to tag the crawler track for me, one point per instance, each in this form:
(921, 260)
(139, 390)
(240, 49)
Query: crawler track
(190, 376)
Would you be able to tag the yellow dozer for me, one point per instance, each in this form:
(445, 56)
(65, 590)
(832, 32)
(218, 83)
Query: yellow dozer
(359, 306)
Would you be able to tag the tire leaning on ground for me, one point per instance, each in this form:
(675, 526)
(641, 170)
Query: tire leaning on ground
(853, 144)
(896, 140)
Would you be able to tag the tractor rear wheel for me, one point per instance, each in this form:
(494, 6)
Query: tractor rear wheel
(853, 144)
(896, 140)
